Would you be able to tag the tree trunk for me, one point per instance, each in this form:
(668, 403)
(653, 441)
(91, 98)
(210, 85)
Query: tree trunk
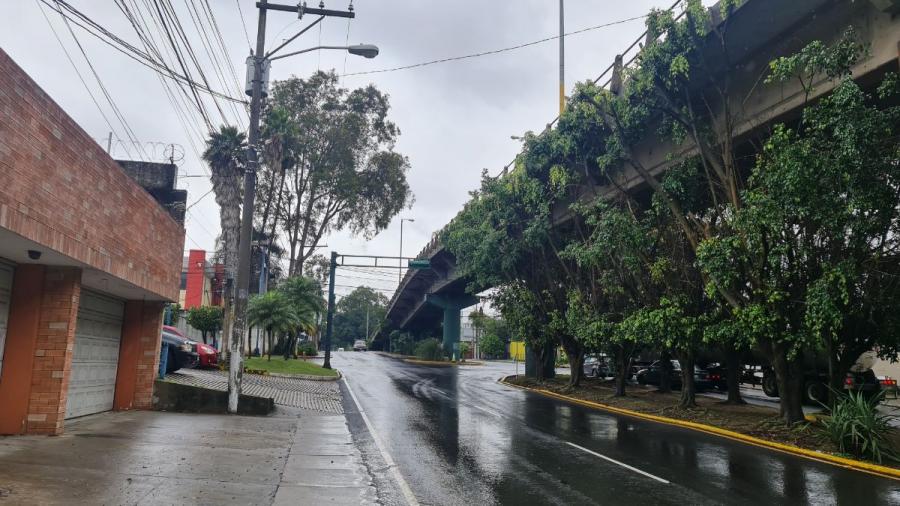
(203, 336)
(789, 375)
(269, 343)
(688, 388)
(623, 367)
(576, 367)
(733, 367)
(539, 355)
(665, 376)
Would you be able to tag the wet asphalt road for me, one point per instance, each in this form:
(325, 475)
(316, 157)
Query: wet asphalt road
(459, 437)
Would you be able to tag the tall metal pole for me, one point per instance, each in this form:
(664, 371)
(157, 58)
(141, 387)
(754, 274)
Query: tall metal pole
(236, 361)
(329, 319)
(562, 57)
(400, 258)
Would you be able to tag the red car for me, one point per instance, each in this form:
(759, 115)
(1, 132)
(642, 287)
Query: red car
(208, 357)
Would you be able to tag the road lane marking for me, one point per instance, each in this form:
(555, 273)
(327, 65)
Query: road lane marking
(614, 461)
(398, 477)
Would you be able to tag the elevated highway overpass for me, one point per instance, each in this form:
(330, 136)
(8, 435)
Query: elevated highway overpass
(759, 31)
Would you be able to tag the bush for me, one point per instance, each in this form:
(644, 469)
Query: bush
(430, 349)
(491, 346)
(858, 428)
(308, 350)
(463, 350)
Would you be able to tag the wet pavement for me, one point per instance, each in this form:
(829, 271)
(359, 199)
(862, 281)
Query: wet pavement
(294, 457)
(459, 437)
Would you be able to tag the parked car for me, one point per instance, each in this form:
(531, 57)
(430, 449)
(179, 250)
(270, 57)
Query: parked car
(182, 352)
(207, 356)
(653, 374)
(340, 349)
(717, 375)
(359, 345)
(597, 366)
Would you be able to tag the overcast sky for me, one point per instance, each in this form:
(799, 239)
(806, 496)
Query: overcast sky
(456, 118)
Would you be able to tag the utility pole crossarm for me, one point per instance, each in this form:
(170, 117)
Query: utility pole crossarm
(306, 10)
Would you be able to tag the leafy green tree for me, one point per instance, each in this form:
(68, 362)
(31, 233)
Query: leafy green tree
(206, 319)
(330, 163)
(491, 346)
(350, 315)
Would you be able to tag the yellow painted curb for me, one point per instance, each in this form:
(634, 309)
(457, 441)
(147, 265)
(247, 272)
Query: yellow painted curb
(866, 467)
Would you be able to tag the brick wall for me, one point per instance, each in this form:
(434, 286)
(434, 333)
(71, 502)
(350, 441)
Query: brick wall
(60, 189)
(138, 355)
(53, 350)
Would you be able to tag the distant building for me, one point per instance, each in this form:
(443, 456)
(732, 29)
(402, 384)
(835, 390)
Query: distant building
(201, 281)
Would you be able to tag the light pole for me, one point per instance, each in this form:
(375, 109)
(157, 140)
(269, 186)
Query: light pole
(400, 271)
(258, 65)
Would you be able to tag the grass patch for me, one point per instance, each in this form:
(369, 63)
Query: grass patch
(293, 366)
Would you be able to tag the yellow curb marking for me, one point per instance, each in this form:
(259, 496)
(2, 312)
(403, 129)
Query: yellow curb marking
(866, 467)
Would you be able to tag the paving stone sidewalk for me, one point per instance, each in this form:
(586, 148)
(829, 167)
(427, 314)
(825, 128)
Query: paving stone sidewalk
(323, 396)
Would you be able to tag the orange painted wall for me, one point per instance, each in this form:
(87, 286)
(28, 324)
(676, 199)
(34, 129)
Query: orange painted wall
(21, 338)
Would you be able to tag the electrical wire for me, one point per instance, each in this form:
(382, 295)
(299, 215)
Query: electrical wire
(93, 28)
(80, 77)
(244, 25)
(494, 51)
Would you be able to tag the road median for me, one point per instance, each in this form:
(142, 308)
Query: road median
(867, 467)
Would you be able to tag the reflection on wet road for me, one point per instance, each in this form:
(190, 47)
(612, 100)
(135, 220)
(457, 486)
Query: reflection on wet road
(459, 437)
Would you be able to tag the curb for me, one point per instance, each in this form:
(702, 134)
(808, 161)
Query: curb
(309, 377)
(857, 465)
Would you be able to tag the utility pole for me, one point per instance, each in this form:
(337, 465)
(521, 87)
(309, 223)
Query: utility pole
(400, 271)
(329, 319)
(236, 359)
(562, 57)
(367, 324)
(109, 144)
(260, 62)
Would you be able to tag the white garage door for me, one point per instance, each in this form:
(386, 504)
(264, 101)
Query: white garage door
(92, 382)
(6, 276)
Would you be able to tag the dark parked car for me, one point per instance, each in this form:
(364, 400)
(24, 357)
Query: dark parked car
(182, 352)
(652, 375)
(597, 366)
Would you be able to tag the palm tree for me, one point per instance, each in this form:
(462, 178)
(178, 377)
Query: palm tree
(226, 155)
(272, 312)
(305, 297)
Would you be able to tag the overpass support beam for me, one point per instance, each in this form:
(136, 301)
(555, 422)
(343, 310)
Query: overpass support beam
(452, 306)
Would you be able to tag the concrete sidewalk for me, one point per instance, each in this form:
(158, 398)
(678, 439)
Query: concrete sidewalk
(323, 466)
(142, 457)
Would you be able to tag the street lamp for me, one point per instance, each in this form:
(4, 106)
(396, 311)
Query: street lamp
(365, 50)
(400, 270)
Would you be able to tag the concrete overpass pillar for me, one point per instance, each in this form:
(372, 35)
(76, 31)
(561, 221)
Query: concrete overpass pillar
(452, 306)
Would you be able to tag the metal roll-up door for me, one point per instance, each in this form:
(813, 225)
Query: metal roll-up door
(6, 278)
(95, 357)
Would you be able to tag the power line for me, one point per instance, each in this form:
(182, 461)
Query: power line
(116, 111)
(244, 24)
(77, 72)
(494, 51)
(93, 28)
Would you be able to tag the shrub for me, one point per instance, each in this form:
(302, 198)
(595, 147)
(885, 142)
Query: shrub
(430, 349)
(308, 350)
(463, 350)
(857, 427)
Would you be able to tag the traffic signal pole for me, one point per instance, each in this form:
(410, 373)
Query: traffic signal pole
(242, 286)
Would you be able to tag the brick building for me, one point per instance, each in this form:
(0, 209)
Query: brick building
(87, 260)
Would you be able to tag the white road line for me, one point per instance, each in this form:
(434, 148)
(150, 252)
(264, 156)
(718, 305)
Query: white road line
(401, 482)
(614, 461)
